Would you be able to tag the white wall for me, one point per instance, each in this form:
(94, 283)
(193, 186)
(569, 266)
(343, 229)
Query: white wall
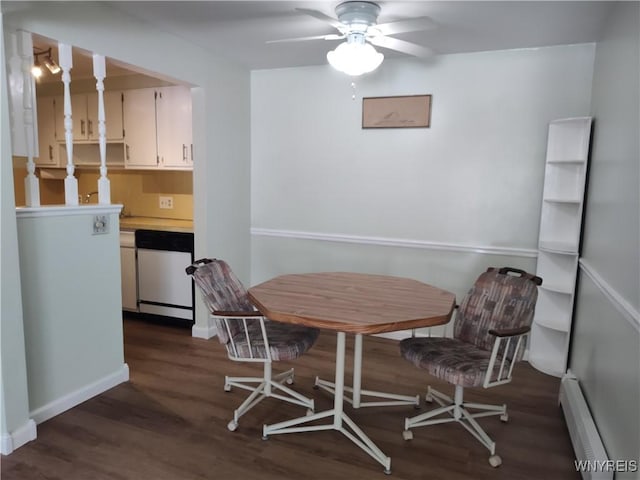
(72, 306)
(474, 179)
(605, 354)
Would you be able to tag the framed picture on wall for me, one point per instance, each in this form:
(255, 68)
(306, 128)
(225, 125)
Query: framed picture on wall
(411, 111)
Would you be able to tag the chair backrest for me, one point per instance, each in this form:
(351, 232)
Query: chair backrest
(221, 291)
(500, 299)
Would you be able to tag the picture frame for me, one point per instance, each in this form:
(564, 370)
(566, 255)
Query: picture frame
(407, 111)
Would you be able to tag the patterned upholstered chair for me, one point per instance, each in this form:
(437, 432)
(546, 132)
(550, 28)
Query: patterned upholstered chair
(249, 337)
(490, 332)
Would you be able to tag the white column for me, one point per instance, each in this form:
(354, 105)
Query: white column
(31, 182)
(104, 187)
(70, 182)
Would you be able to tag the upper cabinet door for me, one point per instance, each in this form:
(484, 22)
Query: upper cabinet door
(113, 112)
(79, 117)
(48, 147)
(140, 128)
(175, 144)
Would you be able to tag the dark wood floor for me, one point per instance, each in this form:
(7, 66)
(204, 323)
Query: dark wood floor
(170, 422)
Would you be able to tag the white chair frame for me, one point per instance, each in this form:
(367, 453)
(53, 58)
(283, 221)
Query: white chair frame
(458, 410)
(263, 387)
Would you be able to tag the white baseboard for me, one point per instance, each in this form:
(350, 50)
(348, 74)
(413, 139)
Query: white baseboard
(82, 394)
(206, 331)
(14, 440)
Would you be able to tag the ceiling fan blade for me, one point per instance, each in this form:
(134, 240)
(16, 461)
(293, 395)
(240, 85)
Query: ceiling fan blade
(304, 39)
(325, 18)
(402, 26)
(402, 46)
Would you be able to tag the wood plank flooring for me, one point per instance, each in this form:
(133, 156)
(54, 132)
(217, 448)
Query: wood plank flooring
(170, 422)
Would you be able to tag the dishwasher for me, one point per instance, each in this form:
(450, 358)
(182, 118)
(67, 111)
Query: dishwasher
(164, 290)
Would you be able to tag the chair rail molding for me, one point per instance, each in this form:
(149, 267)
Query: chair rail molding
(395, 242)
(625, 308)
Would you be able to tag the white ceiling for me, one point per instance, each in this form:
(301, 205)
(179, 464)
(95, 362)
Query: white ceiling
(240, 29)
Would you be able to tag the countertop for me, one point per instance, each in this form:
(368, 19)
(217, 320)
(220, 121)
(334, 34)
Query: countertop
(151, 223)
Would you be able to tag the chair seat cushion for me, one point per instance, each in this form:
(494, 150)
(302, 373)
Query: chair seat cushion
(286, 342)
(449, 359)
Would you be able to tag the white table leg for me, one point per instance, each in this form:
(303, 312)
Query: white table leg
(357, 392)
(340, 419)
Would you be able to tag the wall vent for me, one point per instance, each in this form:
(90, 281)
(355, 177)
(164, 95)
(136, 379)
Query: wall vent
(591, 457)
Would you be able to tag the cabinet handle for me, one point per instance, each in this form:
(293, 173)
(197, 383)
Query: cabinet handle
(127, 151)
(184, 152)
(90, 127)
(192, 152)
(50, 152)
(82, 127)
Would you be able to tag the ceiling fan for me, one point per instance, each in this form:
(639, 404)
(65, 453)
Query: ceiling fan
(357, 23)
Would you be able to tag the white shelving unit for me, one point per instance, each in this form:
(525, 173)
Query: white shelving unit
(559, 242)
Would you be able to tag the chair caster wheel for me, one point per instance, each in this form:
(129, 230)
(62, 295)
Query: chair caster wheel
(227, 388)
(232, 426)
(265, 438)
(310, 412)
(316, 387)
(387, 471)
(495, 461)
(407, 435)
(416, 406)
(428, 398)
(504, 417)
(289, 380)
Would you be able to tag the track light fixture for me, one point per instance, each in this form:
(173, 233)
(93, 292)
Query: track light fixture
(48, 61)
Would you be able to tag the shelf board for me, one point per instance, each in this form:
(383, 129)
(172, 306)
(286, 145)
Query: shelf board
(563, 289)
(552, 323)
(567, 160)
(545, 364)
(575, 201)
(558, 247)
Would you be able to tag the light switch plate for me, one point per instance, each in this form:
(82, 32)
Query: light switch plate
(100, 224)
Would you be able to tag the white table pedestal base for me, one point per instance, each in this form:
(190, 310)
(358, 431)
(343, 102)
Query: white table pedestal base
(340, 420)
(357, 392)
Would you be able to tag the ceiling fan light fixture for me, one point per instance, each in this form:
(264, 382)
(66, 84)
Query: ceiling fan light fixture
(355, 57)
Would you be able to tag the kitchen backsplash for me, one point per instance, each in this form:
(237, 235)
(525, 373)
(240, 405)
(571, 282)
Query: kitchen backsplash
(137, 190)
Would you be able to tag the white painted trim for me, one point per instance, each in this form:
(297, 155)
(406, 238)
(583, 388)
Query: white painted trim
(14, 440)
(624, 307)
(205, 331)
(396, 242)
(67, 210)
(72, 399)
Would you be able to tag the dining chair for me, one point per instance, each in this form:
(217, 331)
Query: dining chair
(489, 337)
(249, 337)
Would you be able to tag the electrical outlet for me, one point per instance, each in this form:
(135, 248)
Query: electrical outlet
(100, 224)
(166, 202)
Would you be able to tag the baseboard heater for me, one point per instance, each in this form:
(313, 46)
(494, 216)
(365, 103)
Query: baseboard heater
(591, 457)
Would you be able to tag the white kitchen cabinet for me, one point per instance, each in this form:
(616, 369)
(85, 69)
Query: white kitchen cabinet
(141, 149)
(128, 271)
(559, 242)
(84, 109)
(174, 127)
(47, 141)
(158, 128)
